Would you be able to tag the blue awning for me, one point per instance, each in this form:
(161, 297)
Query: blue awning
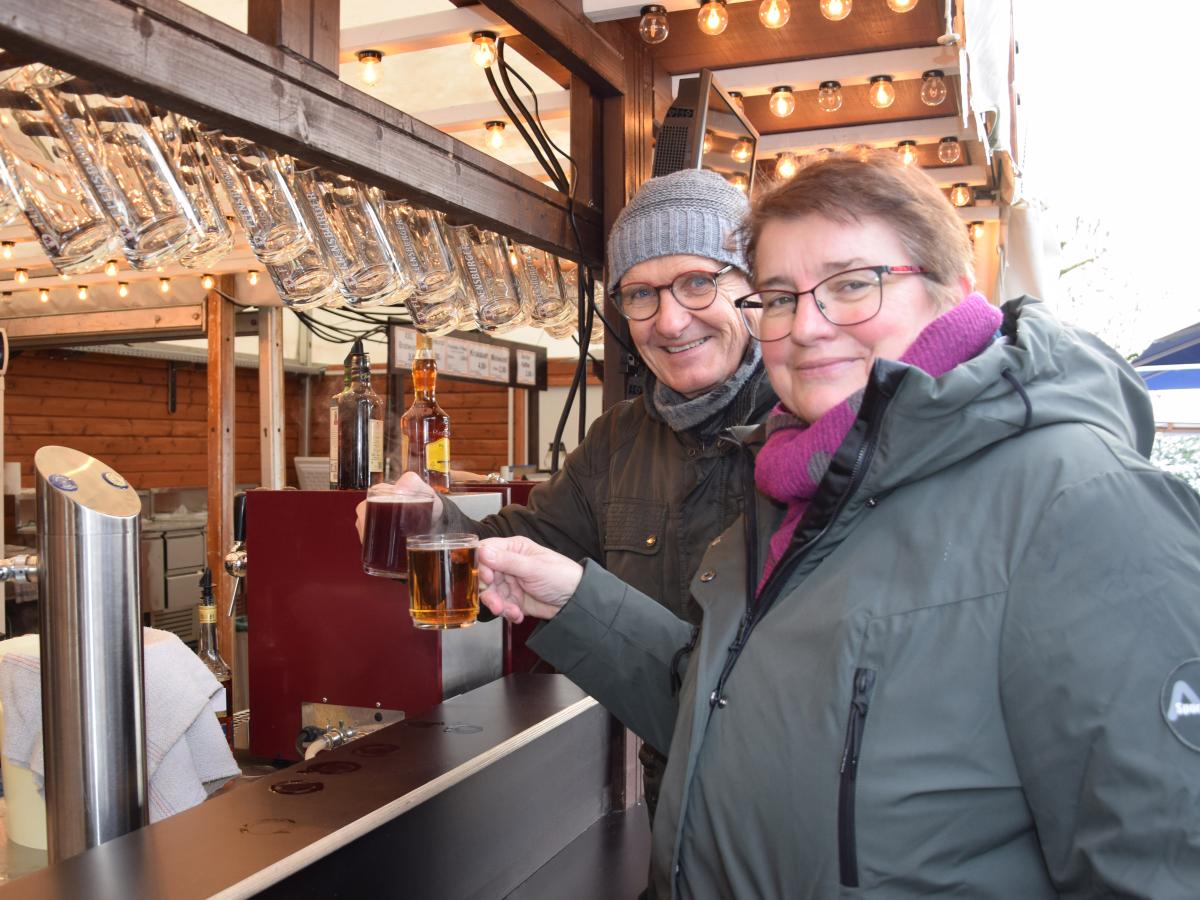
(1172, 362)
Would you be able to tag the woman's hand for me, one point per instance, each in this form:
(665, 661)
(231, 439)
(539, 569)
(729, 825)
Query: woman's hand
(519, 578)
(409, 481)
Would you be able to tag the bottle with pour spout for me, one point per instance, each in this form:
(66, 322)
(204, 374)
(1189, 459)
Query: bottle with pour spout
(209, 653)
(425, 427)
(356, 428)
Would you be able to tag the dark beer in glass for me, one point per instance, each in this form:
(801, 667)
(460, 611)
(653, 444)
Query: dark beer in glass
(392, 515)
(443, 580)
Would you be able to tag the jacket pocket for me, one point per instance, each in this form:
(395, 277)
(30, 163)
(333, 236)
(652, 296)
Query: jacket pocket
(635, 526)
(864, 684)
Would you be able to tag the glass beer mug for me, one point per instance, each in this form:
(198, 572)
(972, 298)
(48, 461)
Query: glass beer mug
(214, 239)
(417, 240)
(349, 226)
(260, 196)
(36, 169)
(127, 168)
(488, 278)
(542, 281)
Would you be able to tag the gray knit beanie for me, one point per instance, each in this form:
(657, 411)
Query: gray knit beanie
(691, 212)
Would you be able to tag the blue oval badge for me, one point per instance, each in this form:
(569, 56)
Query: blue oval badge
(115, 480)
(1181, 702)
(63, 483)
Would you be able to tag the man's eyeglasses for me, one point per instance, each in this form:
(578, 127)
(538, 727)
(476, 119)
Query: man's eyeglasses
(692, 290)
(845, 298)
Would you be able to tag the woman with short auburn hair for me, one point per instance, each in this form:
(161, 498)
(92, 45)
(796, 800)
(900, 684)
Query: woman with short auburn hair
(952, 648)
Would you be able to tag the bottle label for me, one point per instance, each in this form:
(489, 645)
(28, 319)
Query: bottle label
(375, 435)
(208, 614)
(437, 456)
(333, 446)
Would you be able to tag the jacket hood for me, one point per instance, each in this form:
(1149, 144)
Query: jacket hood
(1038, 372)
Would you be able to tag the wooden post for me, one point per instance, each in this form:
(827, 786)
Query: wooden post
(519, 433)
(219, 325)
(307, 28)
(272, 461)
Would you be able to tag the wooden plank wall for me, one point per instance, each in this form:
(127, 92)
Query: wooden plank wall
(478, 413)
(115, 408)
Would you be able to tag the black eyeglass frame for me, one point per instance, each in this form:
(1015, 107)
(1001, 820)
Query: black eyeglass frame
(614, 295)
(745, 302)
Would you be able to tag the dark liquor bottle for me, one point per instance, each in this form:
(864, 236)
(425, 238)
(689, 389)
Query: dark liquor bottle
(425, 427)
(356, 428)
(206, 649)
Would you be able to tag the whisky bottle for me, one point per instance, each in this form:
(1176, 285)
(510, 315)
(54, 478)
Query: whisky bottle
(425, 427)
(210, 655)
(359, 428)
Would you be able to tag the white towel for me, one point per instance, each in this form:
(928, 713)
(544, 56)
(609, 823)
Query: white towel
(187, 757)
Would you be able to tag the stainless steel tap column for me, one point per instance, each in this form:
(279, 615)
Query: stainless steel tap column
(93, 705)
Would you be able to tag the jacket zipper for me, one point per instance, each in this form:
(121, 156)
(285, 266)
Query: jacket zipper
(864, 682)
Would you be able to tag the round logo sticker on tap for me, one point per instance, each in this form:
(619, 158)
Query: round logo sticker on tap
(115, 480)
(63, 482)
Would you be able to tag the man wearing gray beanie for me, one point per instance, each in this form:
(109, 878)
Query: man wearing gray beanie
(651, 485)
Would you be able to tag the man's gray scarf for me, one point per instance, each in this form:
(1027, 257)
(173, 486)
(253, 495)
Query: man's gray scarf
(726, 404)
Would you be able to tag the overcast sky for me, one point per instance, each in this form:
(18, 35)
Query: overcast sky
(1109, 97)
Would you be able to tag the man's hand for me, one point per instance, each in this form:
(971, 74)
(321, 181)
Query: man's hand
(519, 578)
(409, 481)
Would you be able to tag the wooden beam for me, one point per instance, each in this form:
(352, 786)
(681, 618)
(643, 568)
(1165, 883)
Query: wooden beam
(585, 142)
(219, 321)
(169, 54)
(104, 327)
(308, 28)
(272, 461)
(567, 37)
(520, 433)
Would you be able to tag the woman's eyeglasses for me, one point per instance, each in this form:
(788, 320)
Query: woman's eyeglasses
(845, 298)
(692, 290)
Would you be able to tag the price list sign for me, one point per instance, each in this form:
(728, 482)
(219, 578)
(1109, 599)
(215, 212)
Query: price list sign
(474, 357)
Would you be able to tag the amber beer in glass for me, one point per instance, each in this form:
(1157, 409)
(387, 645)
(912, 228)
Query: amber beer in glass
(392, 515)
(443, 580)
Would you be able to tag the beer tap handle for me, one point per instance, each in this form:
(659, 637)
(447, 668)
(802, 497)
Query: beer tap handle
(239, 517)
(233, 595)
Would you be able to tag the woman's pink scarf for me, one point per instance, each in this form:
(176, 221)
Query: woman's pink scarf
(796, 455)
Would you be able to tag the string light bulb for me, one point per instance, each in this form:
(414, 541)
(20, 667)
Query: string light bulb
(372, 66)
(907, 151)
(933, 87)
(738, 100)
(707, 145)
(829, 96)
(882, 92)
(960, 194)
(713, 17)
(786, 165)
(64, 276)
(653, 26)
(774, 13)
(252, 277)
(975, 231)
(740, 181)
(742, 150)
(835, 10)
(22, 275)
(901, 6)
(44, 295)
(495, 133)
(208, 282)
(483, 53)
(110, 268)
(949, 150)
(782, 102)
(6, 249)
(122, 289)
(81, 292)
(164, 285)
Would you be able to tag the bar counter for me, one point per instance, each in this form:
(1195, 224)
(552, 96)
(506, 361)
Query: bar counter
(471, 799)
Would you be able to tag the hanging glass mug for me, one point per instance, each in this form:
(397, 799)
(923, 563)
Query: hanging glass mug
(127, 168)
(309, 279)
(260, 196)
(36, 169)
(214, 240)
(348, 225)
(434, 318)
(542, 281)
(488, 278)
(418, 241)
